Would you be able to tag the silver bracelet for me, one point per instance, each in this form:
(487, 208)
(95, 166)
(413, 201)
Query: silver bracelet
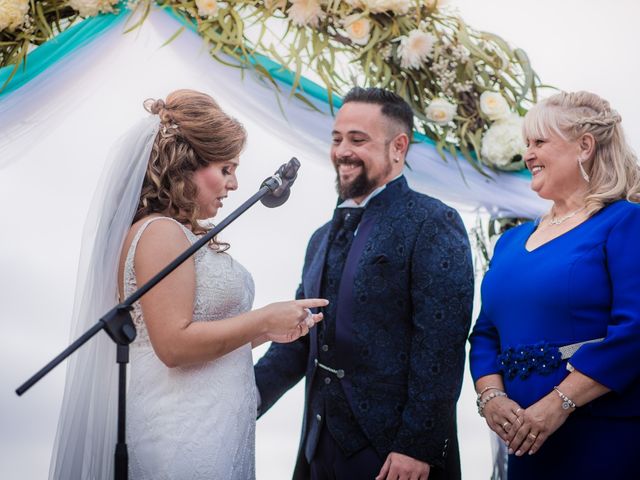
(567, 403)
(485, 389)
(482, 403)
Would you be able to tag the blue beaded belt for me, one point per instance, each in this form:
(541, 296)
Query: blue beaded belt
(523, 360)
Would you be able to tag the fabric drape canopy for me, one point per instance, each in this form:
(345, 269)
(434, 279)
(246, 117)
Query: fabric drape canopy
(30, 98)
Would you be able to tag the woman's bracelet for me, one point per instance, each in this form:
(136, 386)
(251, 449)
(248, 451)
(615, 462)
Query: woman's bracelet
(482, 403)
(486, 389)
(567, 403)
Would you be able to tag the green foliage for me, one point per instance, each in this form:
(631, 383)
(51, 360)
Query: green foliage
(324, 44)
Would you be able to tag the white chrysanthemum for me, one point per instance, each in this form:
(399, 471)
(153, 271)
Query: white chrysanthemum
(207, 8)
(494, 106)
(502, 145)
(415, 48)
(358, 28)
(13, 13)
(305, 12)
(91, 8)
(441, 111)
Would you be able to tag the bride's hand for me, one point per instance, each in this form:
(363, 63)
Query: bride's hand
(288, 321)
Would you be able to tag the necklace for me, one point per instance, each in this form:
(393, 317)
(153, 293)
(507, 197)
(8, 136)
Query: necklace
(557, 221)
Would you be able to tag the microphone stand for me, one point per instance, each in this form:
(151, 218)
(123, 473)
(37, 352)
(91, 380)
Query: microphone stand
(119, 326)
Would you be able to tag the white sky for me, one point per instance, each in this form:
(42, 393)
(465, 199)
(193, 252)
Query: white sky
(572, 44)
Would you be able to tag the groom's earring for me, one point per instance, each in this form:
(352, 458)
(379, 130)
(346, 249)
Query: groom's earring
(583, 172)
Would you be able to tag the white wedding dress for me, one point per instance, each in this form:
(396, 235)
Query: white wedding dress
(195, 422)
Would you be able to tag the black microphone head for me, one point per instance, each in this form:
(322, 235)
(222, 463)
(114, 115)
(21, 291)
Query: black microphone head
(290, 170)
(287, 173)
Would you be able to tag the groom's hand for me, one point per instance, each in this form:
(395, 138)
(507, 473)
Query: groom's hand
(402, 467)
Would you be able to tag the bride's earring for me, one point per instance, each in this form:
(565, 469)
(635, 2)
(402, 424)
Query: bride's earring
(583, 172)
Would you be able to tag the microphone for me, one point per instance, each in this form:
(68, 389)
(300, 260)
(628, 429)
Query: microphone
(280, 183)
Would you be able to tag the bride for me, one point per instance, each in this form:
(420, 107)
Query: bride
(191, 399)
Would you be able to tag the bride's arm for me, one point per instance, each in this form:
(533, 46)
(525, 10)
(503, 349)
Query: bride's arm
(168, 307)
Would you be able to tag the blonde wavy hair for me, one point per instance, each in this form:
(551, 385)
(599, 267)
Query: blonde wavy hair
(613, 170)
(194, 133)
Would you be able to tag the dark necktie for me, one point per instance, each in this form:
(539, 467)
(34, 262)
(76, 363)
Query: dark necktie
(348, 219)
(345, 224)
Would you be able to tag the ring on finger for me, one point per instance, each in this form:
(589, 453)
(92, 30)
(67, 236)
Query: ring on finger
(532, 435)
(504, 425)
(309, 318)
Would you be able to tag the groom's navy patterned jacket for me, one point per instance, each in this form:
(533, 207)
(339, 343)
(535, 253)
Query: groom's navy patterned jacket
(412, 299)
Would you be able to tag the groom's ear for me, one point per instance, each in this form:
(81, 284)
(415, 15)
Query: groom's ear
(399, 146)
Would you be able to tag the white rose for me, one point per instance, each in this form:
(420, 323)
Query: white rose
(415, 48)
(13, 13)
(91, 8)
(207, 8)
(502, 145)
(358, 28)
(441, 111)
(305, 12)
(494, 106)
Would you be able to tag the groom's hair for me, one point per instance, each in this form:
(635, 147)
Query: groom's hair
(394, 107)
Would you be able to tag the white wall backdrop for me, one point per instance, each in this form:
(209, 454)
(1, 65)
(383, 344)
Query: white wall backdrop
(48, 175)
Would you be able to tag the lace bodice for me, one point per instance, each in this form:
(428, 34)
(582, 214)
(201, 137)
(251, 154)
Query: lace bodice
(224, 288)
(195, 421)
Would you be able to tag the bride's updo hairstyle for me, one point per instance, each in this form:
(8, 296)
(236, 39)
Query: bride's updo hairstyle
(613, 170)
(194, 133)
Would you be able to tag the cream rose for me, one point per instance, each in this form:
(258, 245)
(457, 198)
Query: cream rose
(494, 106)
(305, 12)
(415, 48)
(441, 111)
(207, 8)
(91, 8)
(13, 13)
(358, 28)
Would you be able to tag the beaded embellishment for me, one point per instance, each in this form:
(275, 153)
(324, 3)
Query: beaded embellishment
(523, 360)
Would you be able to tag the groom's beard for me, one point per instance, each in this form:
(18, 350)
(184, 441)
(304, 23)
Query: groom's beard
(360, 186)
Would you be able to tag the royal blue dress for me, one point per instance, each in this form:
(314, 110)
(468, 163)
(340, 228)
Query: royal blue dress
(583, 285)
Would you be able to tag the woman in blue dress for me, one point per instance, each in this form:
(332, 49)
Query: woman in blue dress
(555, 352)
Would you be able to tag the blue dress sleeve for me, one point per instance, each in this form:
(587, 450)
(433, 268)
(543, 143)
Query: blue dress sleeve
(485, 348)
(615, 361)
(484, 339)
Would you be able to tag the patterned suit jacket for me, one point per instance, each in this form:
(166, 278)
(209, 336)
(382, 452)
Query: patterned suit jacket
(413, 294)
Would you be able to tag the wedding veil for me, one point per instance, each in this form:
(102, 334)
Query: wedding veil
(86, 436)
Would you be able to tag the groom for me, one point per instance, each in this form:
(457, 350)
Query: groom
(384, 369)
